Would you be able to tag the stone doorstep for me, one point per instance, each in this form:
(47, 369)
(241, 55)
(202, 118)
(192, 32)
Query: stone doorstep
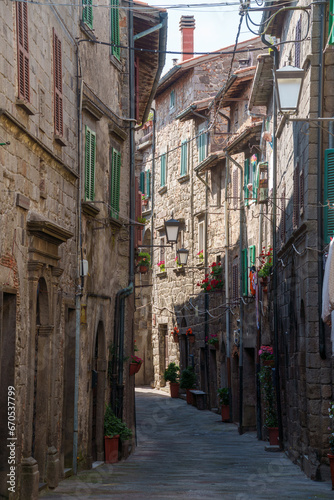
(42, 486)
(272, 448)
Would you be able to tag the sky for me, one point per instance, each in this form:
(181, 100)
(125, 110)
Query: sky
(216, 27)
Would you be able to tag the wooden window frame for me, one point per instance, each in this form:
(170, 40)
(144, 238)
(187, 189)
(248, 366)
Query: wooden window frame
(58, 86)
(202, 143)
(114, 29)
(163, 170)
(184, 158)
(115, 183)
(172, 99)
(90, 159)
(87, 13)
(148, 183)
(23, 63)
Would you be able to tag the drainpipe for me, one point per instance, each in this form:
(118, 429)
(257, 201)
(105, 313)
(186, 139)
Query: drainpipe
(206, 296)
(241, 357)
(322, 342)
(80, 283)
(227, 289)
(152, 181)
(275, 306)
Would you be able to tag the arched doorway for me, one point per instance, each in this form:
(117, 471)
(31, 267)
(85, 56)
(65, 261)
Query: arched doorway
(41, 378)
(98, 394)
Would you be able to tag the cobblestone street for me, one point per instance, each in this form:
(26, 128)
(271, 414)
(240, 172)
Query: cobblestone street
(186, 453)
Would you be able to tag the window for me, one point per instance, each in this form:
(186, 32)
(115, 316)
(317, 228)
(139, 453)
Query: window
(235, 190)
(138, 230)
(298, 37)
(331, 22)
(163, 172)
(184, 158)
(87, 13)
(245, 271)
(295, 212)
(90, 152)
(172, 99)
(115, 182)
(22, 51)
(201, 236)
(142, 182)
(58, 85)
(114, 35)
(254, 176)
(251, 260)
(329, 195)
(202, 143)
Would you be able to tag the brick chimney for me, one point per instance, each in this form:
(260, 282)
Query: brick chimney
(187, 26)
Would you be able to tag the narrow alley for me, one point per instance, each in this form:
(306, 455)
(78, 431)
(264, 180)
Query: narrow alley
(186, 453)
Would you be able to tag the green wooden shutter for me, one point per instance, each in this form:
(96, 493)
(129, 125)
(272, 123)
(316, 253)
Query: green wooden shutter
(329, 195)
(163, 170)
(184, 157)
(331, 22)
(148, 183)
(202, 147)
(115, 183)
(244, 272)
(246, 177)
(255, 178)
(115, 28)
(142, 183)
(252, 255)
(172, 99)
(87, 12)
(90, 152)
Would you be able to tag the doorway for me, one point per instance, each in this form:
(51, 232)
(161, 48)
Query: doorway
(68, 396)
(98, 394)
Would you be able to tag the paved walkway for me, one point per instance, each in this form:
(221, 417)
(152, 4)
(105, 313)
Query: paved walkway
(184, 453)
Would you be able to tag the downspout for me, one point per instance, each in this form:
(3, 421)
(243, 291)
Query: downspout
(227, 285)
(241, 358)
(206, 296)
(153, 181)
(322, 342)
(275, 306)
(79, 284)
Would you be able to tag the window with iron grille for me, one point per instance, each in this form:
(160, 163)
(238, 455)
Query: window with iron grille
(172, 99)
(184, 158)
(115, 183)
(87, 12)
(22, 51)
(114, 28)
(58, 85)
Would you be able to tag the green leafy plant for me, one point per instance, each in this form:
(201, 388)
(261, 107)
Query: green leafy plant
(188, 378)
(144, 259)
(331, 436)
(213, 340)
(269, 397)
(200, 255)
(172, 373)
(142, 220)
(162, 266)
(224, 397)
(213, 280)
(113, 426)
(266, 262)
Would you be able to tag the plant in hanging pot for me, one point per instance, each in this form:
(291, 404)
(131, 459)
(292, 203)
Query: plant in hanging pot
(161, 266)
(200, 256)
(190, 335)
(144, 261)
(175, 334)
(114, 429)
(269, 400)
(224, 399)
(331, 442)
(213, 281)
(135, 364)
(266, 263)
(266, 353)
(188, 381)
(213, 340)
(171, 375)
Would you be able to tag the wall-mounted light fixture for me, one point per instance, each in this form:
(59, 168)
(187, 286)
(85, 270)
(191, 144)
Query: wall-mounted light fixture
(289, 81)
(182, 256)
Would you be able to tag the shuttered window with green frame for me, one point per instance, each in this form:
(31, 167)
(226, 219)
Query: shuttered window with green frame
(244, 271)
(246, 177)
(184, 158)
(115, 183)
(331, 22)
(254, 163)
(90, 154)
(328, 213)
(148, 183)
(251, 259)
(163, 170)
(114, 27)
(142, 183)
(202, 145)
(87, 12)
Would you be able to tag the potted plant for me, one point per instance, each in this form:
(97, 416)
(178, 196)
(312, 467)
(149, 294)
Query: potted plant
(224, 398)
(187, 381)
(171, 375)
(269, 399)
(213, 281)
(114, 429)
(331, 442)
(144, 200)
(266, 263)
(135, 364)
(144, 261)
(161, 266)
(266, 354)
(200, 256)
(213, 340)
(142, 220)
(190, 335)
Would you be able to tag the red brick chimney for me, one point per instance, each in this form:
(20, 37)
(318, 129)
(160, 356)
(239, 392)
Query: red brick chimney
(187, 26)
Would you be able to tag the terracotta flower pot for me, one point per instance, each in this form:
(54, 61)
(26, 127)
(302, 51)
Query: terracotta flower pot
(143, 269)
(225, 413)
(273, 436)
(174, 389)
(189, 397)
(176, 338)
(331, 463)
(134, 368)
(111, 449)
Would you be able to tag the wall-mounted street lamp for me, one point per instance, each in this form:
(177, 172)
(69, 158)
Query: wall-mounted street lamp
(182, 256)
(172, 227)
(289, 81)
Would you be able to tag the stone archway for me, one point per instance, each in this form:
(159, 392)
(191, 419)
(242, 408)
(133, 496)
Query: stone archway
(99, 365)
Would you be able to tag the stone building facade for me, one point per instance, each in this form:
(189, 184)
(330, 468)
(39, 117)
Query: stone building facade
(67, 233)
